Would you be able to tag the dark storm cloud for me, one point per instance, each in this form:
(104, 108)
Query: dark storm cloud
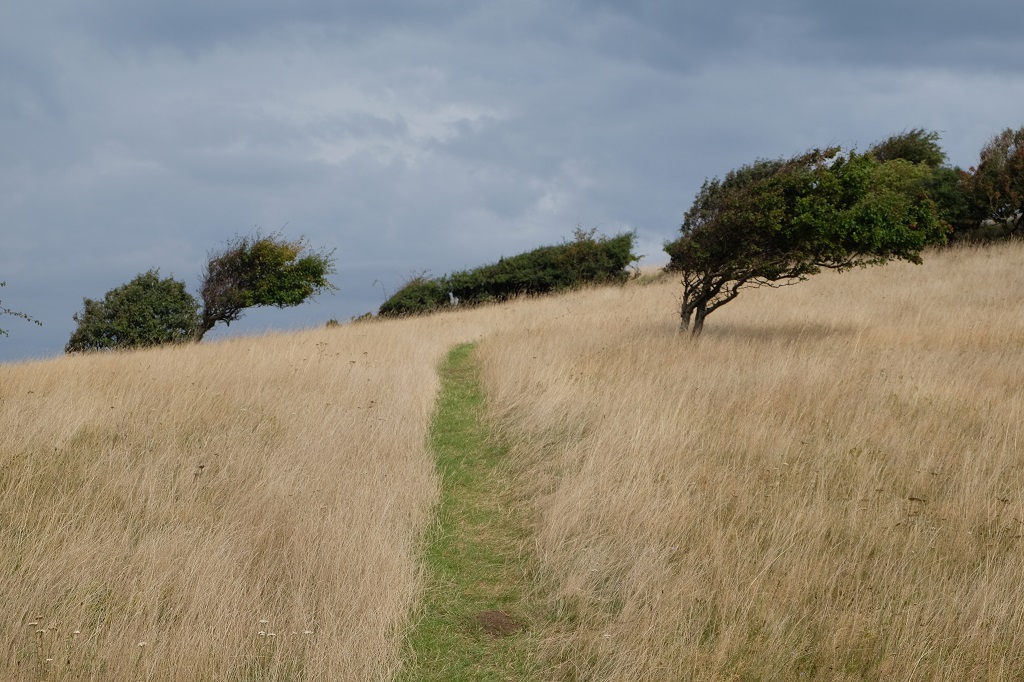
(948, 33)
(981, 34)
(195, 25)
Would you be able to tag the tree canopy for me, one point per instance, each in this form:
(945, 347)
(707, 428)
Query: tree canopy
(776, 222)
(996, 184)
(916, 146)
(247, 272)
(261, 271)
(146, 311)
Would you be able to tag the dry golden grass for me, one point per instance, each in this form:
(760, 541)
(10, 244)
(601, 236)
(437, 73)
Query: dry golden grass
(829, 483)
(182, 496)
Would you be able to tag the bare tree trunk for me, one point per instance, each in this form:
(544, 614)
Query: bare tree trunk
(205, 325)
(698, 320)
(685, 315)
(695, 312)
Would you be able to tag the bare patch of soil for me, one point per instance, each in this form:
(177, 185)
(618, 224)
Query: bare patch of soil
(498, 623)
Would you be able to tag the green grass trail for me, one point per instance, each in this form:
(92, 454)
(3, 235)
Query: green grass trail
(472, 553)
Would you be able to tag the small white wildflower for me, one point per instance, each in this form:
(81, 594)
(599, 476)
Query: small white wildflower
(77, 632)
(142, 644)
(261, 633)
(263, 621)
(307, 632)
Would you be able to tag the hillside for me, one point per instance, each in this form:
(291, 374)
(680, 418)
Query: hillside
(828, 486)
(825, 486)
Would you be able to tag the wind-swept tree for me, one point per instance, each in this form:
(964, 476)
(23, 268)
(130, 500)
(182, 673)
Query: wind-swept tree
(996, 184)
(260, 271)
(247, 272)
(773, 223)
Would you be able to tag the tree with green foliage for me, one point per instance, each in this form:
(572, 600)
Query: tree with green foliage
(247, 272)
(593, 259)
(4, 310)
(916, 146)
(945, 183)
(147, 311)
(773, 223)
(956, 206)
(996, 184)
(260, 271)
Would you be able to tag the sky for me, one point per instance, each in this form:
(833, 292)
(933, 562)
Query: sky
(410, 136)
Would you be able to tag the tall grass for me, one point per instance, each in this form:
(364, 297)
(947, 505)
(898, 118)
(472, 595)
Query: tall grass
(827, 485)
(246, 510)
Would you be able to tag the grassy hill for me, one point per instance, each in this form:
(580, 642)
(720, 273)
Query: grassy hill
(828, 485)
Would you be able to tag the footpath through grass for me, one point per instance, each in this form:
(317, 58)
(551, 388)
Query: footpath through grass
(473, 622)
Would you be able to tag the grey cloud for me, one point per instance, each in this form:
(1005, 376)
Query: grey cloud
(197, 25)
(946, 34)
(433, 137)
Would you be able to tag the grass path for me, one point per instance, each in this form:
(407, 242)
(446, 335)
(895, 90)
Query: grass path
(474, 622)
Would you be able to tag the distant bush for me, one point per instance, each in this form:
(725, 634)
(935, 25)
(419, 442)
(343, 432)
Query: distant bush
(599, 261)
(585, 260)
(145, 312)
(417, 296)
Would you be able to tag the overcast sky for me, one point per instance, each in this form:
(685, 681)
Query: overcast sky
(413, 135)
